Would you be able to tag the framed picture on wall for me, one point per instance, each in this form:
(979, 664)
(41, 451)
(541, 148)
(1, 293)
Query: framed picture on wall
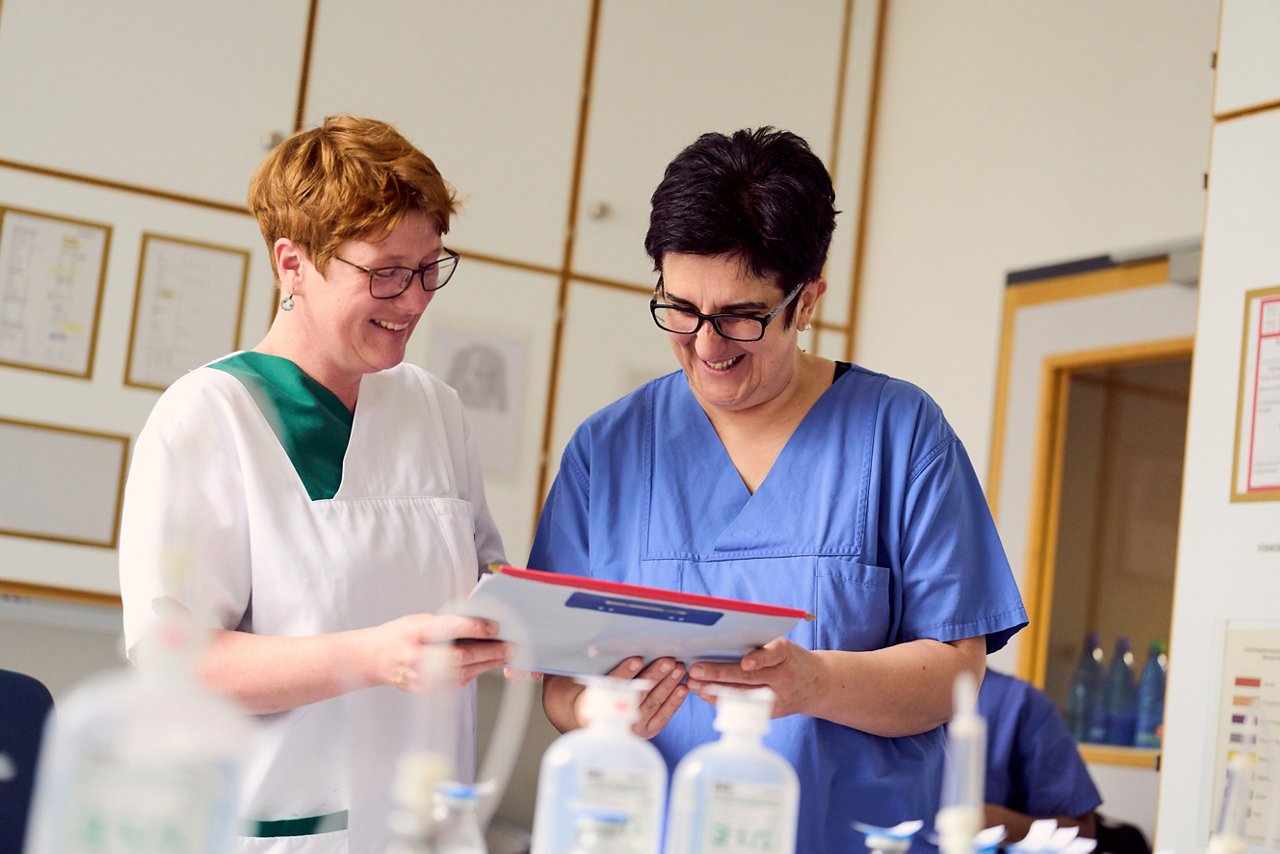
(187, 309)
(1256, 475)
(61, 484)
(52, 270)
(487, 370)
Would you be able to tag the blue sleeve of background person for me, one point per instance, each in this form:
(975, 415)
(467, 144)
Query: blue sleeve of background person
(1033, 765)
(1057, 780)
(956, 580)
(561, 542)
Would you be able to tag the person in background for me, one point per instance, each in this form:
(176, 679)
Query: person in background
(315, 501)
(1034, 769)
(762, 472)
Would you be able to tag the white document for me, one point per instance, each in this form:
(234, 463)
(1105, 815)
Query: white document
(569, 625)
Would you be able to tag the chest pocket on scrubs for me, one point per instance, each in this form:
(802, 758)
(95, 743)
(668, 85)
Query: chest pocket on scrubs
(456, 521)
(850, 600)
(852, 604)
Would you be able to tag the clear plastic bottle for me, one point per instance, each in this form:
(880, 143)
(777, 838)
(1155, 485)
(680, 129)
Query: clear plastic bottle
(1150, 720)
(1084, 693)
(960, 812)
(599, 832)
(1121, 696)
(603, 765)
(455, 825)
(418, 775)
(144, 760)
(735, 794)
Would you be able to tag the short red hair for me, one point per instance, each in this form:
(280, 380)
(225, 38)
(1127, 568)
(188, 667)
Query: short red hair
(350, 178)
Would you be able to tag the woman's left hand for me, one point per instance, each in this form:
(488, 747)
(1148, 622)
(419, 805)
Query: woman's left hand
(792, 672)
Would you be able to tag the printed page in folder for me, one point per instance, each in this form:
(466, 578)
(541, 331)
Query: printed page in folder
(570, 625)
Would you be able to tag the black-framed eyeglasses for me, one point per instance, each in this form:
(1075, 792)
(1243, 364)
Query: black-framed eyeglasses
(391, 282)
(735, 327)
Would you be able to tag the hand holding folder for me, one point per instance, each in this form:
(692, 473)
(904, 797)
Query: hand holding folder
(569, 625)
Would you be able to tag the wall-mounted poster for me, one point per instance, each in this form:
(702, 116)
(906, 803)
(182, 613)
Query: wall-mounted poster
(51, 275)
(488, 372)
(60, 483)
(1249, 718)
(187, 309)
(1257, 453)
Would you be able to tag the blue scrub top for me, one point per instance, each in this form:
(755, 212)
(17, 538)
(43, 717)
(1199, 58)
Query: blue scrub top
(871, 518)
(1033, 765)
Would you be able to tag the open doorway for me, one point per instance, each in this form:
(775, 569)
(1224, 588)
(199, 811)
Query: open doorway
(1115, 490)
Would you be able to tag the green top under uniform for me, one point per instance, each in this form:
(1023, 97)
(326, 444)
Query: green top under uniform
(312, 424)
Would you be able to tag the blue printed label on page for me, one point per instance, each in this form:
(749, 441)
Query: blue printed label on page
(666, 612)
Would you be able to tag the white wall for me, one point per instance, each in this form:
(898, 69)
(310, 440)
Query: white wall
(1227, 558)
(1013, 135)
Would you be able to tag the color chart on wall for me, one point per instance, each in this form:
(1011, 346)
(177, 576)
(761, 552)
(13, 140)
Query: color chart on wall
(1250, 681)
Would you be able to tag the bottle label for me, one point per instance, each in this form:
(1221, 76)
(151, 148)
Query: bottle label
(629, 792)
(148, 808)
(743, 818)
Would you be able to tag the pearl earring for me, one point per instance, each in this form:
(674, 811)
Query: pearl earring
(286, 304)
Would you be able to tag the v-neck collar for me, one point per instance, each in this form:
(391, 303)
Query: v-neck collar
(311, 423)
(699, 499)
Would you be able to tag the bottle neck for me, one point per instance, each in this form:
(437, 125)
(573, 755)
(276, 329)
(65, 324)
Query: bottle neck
(610, 726)
(739, 738)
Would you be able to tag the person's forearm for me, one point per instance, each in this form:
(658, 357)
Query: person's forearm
(274, 674)
(559, 701)
(896, 691)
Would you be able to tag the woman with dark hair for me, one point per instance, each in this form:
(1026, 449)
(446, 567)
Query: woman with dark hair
(762, 472)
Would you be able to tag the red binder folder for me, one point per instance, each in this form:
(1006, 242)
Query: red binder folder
(570, 625)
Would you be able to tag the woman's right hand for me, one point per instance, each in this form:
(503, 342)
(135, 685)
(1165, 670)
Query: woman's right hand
(393, 650)
(562, 695)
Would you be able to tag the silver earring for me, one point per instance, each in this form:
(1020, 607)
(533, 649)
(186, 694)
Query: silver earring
(286, 304)
(804, 327)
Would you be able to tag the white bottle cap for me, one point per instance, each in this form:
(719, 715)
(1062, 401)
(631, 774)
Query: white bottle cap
(747, 712)
(611, 699)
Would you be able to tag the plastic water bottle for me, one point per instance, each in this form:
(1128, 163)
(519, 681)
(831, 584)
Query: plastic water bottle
(419, 775)
(599, 832)
(142, 760)
(1121, 696)
(1151, 697)
(1084, 693)
(455, 822)
(960, 808)
(603, 765)
(735, 794)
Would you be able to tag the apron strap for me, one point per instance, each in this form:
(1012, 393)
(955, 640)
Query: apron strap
(294, 826)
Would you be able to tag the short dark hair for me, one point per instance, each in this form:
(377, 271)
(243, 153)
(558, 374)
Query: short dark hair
(759, 195)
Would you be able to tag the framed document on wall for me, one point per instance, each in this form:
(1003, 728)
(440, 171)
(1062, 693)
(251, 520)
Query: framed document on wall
(187, 309)
(60, 483)
(1257, 452)
(52, 270)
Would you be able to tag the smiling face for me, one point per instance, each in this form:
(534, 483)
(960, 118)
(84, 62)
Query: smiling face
(732, 376)
(339, 331)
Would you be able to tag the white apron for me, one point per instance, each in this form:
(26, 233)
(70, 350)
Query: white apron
(406, 533)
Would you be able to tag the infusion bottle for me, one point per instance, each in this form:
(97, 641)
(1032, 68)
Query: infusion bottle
(604, 765)
(735, 794)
